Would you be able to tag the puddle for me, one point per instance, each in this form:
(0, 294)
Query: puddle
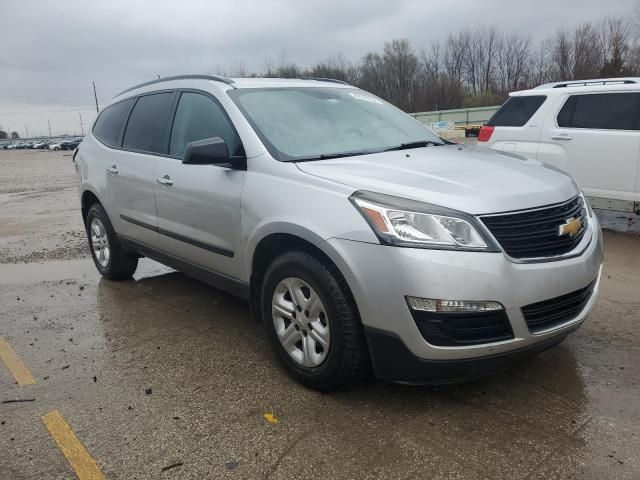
(23, 273)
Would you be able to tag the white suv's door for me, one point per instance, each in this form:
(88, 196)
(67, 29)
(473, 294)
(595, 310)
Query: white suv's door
(595, 137)
(199, 205)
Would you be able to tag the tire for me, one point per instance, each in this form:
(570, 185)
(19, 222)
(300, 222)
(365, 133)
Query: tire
(346, 360)
(113, 262)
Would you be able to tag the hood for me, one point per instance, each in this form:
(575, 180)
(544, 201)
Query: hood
(471, 179)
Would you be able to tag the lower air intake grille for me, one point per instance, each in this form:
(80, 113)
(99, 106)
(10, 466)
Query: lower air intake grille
(458, 329)
(555, 311)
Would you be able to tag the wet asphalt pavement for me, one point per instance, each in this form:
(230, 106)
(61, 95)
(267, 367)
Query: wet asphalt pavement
(163, 371)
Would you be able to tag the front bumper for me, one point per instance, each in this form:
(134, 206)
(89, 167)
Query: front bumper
(381, 276)
(392, 361)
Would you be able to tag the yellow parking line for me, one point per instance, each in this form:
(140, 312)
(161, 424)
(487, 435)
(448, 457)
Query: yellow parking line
(77, 456)
(14, 364)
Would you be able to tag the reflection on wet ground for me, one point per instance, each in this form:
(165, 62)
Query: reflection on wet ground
(163, 369)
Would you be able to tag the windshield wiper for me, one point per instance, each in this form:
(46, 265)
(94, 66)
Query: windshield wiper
(418, 144)
(329, 156)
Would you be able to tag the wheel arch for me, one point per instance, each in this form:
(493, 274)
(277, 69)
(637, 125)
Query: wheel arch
(87, 199)
(279, 241)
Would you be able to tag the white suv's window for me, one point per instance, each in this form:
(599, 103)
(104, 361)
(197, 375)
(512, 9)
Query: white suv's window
(516, 111)
(604, 111)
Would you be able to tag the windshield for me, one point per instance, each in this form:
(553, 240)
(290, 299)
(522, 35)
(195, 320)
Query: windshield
(311, 123)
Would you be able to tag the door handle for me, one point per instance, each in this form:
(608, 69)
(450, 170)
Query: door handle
(113, 170)
(563, 136)
(166, 180)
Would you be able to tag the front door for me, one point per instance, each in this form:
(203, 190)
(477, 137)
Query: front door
(199, 205)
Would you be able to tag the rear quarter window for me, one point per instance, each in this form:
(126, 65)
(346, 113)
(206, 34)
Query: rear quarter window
(600, 111)
(516, 111)
(109, 122)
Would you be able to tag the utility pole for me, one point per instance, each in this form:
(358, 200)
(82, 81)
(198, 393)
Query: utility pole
(81, 128)
(49, 122)
(95, 95)
(26, 130)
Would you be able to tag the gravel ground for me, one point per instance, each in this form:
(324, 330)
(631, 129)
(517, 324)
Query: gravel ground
(40, 207)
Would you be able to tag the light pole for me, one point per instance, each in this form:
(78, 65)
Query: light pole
(49, 122)
(81, 127)
(95, 95)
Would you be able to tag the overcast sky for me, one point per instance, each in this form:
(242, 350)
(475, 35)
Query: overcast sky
(52, 51)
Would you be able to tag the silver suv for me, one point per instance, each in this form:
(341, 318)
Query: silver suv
(361, 239)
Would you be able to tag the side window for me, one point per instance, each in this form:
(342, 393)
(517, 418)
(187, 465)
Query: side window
(108, 124)
(147, 123)
(199, 117)
(516, 111)
(603, 111)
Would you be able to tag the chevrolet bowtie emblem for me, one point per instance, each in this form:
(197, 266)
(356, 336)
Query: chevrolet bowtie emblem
(572, 227)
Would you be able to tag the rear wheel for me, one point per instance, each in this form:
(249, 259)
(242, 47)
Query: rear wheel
(313, 323)
(111, 260)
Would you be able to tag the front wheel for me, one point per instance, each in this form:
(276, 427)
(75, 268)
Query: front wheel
(313, 323)
(111, 260)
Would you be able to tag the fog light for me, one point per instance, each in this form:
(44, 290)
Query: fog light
(435, 305)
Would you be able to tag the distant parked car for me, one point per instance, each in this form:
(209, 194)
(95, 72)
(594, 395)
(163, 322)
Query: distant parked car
(588, 128)
(71, 144)
(56, 145)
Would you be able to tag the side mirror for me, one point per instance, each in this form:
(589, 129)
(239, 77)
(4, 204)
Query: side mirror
(211, 151)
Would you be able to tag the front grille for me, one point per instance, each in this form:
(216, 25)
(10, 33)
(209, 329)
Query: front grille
(555, 311)
(458, 329)
(535, 233)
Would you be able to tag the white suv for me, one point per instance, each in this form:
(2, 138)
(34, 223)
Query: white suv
(589, 128)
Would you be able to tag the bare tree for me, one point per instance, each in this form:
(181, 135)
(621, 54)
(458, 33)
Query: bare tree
(487, 39)
(561, 56)
(400, 66)
(454, 55)
(586, 52)
(336, 66)
(617, 48)
(479, 66)
(512, 60)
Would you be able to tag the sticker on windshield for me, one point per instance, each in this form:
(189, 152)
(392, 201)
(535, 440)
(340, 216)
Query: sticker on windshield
(366, 98)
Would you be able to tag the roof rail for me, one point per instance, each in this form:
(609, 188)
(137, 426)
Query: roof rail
(320, 79)
(586, 83)
(215, 78)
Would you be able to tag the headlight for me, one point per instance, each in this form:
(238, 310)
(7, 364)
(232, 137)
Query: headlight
(407, 223)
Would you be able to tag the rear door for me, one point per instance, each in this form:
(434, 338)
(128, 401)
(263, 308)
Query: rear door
(596, 138)
(516, 125)
(199, 205)
(132, 175)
